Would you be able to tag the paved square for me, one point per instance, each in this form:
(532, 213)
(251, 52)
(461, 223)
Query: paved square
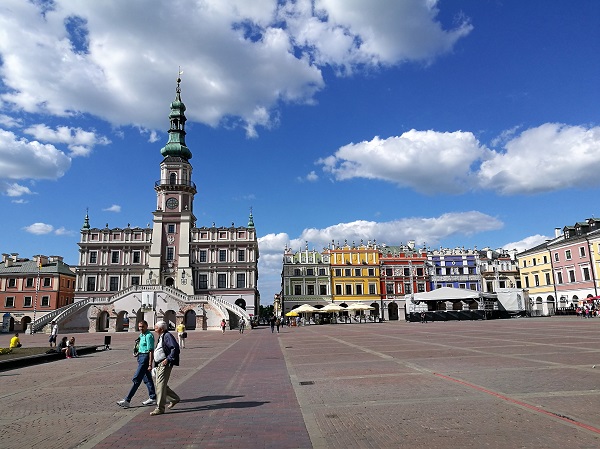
(520, 383)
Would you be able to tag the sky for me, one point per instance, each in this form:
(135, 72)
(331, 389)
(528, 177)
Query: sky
(464, 123)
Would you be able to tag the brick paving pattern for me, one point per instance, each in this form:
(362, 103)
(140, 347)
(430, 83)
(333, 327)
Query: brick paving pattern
(521, 383)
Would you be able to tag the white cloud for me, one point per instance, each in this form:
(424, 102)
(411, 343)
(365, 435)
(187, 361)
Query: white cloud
(20, 201)
(527, 243)
(80, 142)
(39, 228)
(14, 189)
(63, 231)
(551, 157)
(9, 122)
(242, 59)
(406, 160)
(22, 159)
(113, 208)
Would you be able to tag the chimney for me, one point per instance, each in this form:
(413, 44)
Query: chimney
(41, 260)
(557, 232)
(411, 244)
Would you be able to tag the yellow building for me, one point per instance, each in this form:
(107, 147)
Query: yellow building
(535, 270)
(355, 274)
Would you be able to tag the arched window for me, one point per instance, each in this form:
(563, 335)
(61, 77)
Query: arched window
(173, 179)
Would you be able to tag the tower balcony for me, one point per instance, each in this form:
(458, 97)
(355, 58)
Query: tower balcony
(166, 185)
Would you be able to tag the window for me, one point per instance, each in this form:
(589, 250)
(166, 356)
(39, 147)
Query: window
(310, 289)
(357, 272)
(407, 289)
(321, 271)
(241, 255)
(91, 284)
(322, 289)
(296, 271)
(202, 255)
(359, 289)
(221, 281)
(388, 271)
(93, 256)
(559, 279)
(241, 280)
(420, 271)
(310, 271)
(135, 280)
(347, 272)
(113, 283)
(47, 282)
(545, 259)
(534, 262)
(137, 256)
(45, 301)
(568, 254)
(172, 179)
(297, 289)
(338, 289)
(12, 283)
(171, 229)
(582, 251)
(372, 289)
(27, 301)
(338, 272)
(536, 279)
(556, 257)
(407, 272)
(526, 281)
(586, 274)
(547, 276)
(9, 302)
(420, 287)
(502, 284)
(524, 264)
(571, 275)
(29, 282)
(203, 281)
(348, 289)
(170, 253)
(389, 289)
(489, 286)
(222, 255)
(114, 257)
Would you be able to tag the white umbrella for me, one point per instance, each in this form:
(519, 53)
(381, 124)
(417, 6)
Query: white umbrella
(360, 306)
(332, 308)
(305, 308)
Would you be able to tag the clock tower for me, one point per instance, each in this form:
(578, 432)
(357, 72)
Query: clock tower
(169, 258)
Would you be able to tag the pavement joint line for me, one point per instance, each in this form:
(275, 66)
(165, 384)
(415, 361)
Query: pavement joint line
(525, 405)
(90, 443)
(310, 421)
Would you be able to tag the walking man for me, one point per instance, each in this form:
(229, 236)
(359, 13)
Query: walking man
(242, 325)
(145, 358)
(53, 333)
(166, 355)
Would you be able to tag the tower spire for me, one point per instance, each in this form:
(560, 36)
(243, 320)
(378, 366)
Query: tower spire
(176, 144)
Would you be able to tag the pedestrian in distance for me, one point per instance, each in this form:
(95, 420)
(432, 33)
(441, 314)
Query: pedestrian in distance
(145, 359)
(71, 351)
(181, 334)
(422, 317)
(53, 333)
(272, 323)
(166, 355)
(242, 325)
(277, 324)
(15, 342)
(223, 325)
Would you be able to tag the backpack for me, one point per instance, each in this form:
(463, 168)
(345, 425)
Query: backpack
(136, 347)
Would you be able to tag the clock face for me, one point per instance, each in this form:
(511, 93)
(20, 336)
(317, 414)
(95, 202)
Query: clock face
(172, 203)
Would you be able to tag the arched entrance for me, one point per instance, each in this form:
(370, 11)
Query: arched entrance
(25, 323)
(102, 322)
(393, 311)
(189, 320)
(375, 313)
(122, 324)
(170, 318)
(169, 282)
(240, 302)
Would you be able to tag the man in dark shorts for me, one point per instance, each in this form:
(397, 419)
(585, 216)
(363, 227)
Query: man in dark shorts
(53, 333)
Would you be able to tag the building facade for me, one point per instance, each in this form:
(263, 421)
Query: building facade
(174, 270)
(499, 269)
(457, 268)
(33, 288)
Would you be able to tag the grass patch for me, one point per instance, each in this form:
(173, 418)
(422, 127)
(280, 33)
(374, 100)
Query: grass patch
(23, 352)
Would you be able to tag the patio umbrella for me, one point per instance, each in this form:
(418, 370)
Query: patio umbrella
(292, 313)
(360, 306)
(305, 308)
(332, 308)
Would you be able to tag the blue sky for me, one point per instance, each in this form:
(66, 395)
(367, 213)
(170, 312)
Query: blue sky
(454, 123)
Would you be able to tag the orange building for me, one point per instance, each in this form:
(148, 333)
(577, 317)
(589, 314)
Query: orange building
(30, 289)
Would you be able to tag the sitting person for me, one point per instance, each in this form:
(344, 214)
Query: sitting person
(62, 346)
(15, 342)
(71, 351)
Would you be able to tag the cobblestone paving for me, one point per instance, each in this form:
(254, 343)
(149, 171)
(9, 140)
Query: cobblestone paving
(521, 383)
